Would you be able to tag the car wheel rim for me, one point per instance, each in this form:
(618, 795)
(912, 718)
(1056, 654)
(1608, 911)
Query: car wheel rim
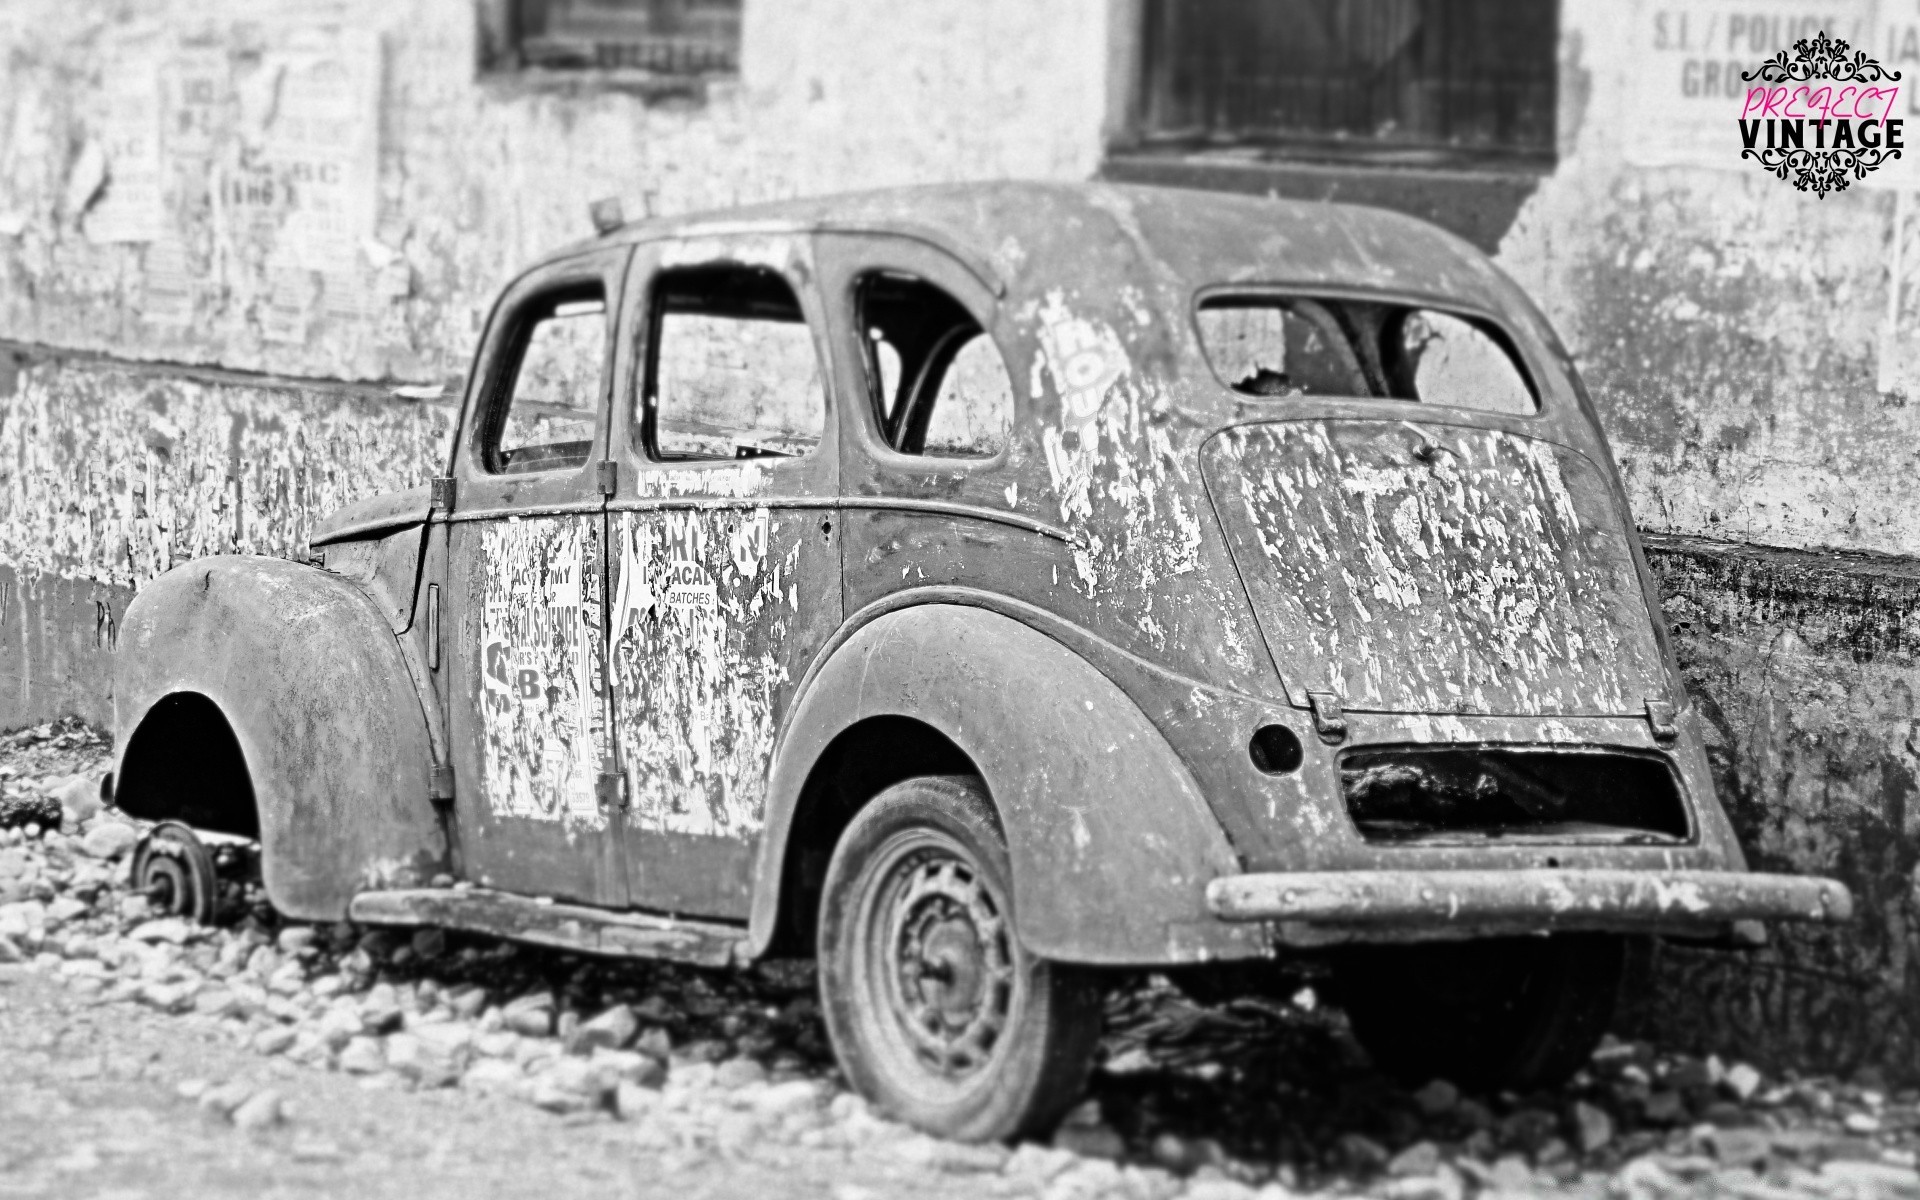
(167, 887)
(176, 872)
(946, 963)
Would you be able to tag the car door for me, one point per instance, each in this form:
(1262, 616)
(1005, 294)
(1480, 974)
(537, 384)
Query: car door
(724, 556)
(926, 434)
(526, 585)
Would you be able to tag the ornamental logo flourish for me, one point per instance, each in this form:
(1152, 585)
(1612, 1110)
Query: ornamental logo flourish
(1819, 115)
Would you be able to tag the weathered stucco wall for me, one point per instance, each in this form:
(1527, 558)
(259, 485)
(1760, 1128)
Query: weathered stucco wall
(328, 189)
(110, 473)
(1753, 349)
(56, 647)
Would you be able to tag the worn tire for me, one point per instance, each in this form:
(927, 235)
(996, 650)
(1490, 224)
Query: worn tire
(1513, 1013)
(938, 1015)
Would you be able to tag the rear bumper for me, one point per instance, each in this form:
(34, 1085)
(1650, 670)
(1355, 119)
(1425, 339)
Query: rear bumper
(1368, 904)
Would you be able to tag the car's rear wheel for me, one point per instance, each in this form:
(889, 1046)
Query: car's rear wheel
(939, 1016)
(1515, 1013)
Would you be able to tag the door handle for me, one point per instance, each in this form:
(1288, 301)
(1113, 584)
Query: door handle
(433, 627)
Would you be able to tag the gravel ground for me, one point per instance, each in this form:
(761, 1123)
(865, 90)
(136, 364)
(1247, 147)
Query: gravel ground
(150, 1057)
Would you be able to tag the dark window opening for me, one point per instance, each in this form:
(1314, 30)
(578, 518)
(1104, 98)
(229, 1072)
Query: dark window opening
(641, 40)
(732, 370)
(1392, 81)
(554, 380)
(1274, 347)
(1531, 793)
(940, 387)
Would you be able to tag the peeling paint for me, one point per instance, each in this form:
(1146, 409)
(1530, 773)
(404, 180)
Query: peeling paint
(540, 713)
(774, 253)
(1110, 463)
(704, 607)
(114, 475)
(718, 483)
(1456, 571)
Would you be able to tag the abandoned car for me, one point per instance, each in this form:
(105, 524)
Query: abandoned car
(987, 590)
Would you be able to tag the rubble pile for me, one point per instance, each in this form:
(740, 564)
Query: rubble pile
(46, 768)
(1213, 1102)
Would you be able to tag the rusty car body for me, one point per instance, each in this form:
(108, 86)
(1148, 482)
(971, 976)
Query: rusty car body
(1266, 589)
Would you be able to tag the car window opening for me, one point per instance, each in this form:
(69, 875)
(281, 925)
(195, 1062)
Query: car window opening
(940, 387)
(733, 372)
(1476, 794)
(1275, 347)
(547, 416)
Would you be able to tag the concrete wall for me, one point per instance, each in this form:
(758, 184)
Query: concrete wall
(202, 358)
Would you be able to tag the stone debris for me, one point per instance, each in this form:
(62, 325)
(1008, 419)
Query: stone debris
(1242, 1100)
(262, 1110)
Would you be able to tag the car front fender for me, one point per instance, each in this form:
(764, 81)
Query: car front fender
(1111, 841)
(312, 681)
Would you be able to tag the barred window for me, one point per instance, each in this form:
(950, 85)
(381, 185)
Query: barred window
(666, 41)
(1392, 81)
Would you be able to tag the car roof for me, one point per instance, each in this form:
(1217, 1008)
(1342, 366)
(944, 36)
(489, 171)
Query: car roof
(1029, 239)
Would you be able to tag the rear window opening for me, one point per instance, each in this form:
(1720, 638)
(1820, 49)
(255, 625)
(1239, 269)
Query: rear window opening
(1274, 347)
(1524, 793)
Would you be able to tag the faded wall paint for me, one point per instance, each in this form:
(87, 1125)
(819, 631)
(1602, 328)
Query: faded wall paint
(56, 647)
(1754, 351)
(327, 189)
(147, 148)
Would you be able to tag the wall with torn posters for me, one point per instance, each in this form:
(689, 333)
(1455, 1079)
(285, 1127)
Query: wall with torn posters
(331, 189)
(112, 472)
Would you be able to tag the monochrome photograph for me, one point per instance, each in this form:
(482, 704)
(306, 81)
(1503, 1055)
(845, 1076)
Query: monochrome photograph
(960, 599)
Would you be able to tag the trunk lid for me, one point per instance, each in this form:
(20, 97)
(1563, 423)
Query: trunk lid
(1422, 567)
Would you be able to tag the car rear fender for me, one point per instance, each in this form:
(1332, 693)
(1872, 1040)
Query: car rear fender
(1111, 841)
(311, 680)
